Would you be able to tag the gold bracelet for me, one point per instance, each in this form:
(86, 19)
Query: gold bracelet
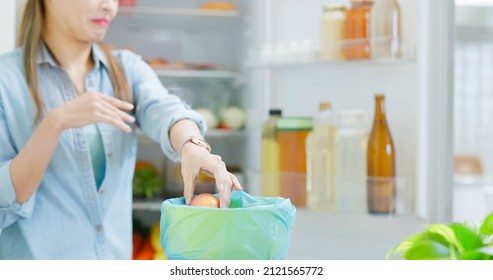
(197, 141)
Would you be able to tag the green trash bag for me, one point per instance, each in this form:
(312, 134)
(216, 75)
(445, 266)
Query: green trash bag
(252, 228)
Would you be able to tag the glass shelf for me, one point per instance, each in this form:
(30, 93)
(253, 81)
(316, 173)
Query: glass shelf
(147, 205)
(178, 12)
(210, 74)
(224, 133)
(309, 53)
(316, 62)
(209, 135)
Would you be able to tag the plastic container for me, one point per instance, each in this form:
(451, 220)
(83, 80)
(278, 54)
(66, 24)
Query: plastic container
(350, 167)
(270, 155)
(320, 156)
(385, 33)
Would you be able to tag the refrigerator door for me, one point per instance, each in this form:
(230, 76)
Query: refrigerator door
(418, 88)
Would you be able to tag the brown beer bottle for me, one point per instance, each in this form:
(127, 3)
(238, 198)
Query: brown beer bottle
(381, 163)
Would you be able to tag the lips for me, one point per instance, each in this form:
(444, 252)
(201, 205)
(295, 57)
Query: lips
(101, 22)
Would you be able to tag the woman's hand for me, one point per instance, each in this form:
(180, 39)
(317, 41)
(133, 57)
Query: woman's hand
(93, 107)
(195, 159)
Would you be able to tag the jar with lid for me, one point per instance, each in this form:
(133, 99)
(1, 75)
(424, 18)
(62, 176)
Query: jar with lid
(332, 32)
(291, 136)
(357, 30)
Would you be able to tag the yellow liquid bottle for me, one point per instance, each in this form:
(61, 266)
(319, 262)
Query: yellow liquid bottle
(320, 151)
(270, 156)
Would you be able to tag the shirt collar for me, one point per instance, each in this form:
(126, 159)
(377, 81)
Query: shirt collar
(44, 56)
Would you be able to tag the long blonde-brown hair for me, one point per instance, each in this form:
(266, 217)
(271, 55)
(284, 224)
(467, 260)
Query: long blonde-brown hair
(31, 37)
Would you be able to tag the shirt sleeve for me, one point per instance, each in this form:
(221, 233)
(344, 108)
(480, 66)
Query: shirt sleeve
(157, 110)
(10, 210)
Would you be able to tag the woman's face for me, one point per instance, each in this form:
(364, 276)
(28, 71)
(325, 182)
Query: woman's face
(82, 20)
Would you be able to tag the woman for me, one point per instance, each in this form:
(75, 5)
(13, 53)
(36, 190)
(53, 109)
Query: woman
(68, 110)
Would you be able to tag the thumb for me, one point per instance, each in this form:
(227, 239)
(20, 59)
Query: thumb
(236, 184)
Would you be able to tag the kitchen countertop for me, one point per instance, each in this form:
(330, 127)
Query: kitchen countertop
(332, 236)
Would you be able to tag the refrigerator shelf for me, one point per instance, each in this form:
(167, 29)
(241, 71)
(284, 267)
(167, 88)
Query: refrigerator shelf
(308, 53)
(147, 205)
(209, 74)
(318, 62)
(177, 12)
(224, 133)
(209, 135)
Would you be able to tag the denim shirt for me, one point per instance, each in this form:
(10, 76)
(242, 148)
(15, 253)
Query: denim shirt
(67, 217)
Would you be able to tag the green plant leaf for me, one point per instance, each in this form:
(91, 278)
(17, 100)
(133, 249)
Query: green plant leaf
(466, 237)
(487, 250)
(427, 250)
(401, 248)
(474, 255)
(436, 237)
(487, 226)
(447, 233)
(473, 225)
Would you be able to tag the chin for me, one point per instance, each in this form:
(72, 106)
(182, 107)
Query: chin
(95, 35)
(98, 37)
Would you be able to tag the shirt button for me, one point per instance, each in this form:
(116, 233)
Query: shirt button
(90, 83)
(99, 228)
(102, 190)
(110, 155)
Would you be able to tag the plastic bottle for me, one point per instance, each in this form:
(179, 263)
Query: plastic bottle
(270, 156)
(381, 163)
(320, 151)
(386, 29)
(350, 170)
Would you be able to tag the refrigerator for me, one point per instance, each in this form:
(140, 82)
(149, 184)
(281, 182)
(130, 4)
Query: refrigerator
(418, 89)
(266, 54)
(262, 54)
(418, 86)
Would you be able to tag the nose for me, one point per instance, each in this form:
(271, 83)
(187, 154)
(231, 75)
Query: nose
(108, 5)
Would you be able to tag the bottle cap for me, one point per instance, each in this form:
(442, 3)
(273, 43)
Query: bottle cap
(336, 7)
(324, 106)
(294, 123)
(275, 112)
(352, 118)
